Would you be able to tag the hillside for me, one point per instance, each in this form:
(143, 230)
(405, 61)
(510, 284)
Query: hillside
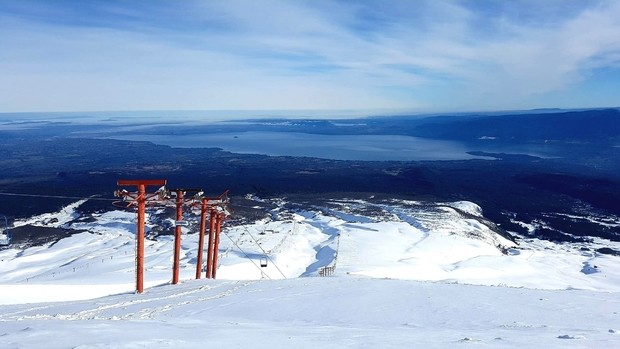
(404, 273)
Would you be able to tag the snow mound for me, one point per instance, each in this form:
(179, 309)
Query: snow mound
(467, 207)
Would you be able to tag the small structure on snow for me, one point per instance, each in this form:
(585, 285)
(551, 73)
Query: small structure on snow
(5, 236)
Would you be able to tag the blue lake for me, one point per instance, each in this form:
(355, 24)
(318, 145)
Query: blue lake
(336, 147)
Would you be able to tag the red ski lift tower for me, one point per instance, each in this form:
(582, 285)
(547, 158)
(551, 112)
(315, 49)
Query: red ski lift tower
(179, 200)
(140, 199)
(218, 209)
(220, 215)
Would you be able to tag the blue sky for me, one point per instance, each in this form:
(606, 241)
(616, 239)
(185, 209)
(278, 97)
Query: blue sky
(415, 56)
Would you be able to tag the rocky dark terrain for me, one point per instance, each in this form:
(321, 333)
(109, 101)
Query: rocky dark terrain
(55, 159)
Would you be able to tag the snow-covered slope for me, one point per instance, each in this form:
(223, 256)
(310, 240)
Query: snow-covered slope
(338, 312)
(559, 294)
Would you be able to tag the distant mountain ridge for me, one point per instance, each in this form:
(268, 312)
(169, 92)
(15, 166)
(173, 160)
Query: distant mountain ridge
(592, 126)
(598, 126)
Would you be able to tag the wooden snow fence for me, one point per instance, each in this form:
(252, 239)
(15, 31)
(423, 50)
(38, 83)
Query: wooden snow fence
(327, 271)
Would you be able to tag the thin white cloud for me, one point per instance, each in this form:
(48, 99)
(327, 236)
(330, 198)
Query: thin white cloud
(536, 60)
(303, 55)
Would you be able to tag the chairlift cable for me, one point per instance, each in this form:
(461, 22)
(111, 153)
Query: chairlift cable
(248, 257)
(264, 252)
(57, 196)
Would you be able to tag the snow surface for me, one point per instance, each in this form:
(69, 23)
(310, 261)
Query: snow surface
(411, 276)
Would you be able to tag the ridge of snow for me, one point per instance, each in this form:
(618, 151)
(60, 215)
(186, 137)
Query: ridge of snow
(466, 206)
(55, 219)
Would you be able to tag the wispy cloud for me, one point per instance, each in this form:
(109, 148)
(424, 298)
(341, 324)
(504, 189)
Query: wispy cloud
(416, 55)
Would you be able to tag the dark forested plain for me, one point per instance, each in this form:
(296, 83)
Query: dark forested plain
(575, 180)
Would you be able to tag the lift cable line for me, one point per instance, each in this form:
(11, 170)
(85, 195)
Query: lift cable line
(57, 196)
(247, 256)
(264, 253)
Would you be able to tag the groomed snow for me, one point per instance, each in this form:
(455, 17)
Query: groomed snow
(338, 312)
(411, 277)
